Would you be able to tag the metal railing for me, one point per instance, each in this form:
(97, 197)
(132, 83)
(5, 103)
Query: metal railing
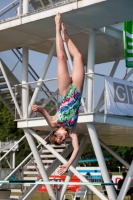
(15, 8)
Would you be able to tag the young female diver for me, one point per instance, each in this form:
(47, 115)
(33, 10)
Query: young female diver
(70, 89)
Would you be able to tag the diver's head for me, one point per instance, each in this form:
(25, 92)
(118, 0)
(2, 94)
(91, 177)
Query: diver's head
(59, 136)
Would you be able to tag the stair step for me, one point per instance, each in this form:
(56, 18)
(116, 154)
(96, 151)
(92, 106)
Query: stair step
(30, 172)
(47, 156)
(47, 161)
(33, 167)
(16, 190)
(30, 178)
(3, 86)
(5, 92)
(2, 80)
(1, 73)
(57, 146)
(47, 151)
(14, 197)
(8, 98)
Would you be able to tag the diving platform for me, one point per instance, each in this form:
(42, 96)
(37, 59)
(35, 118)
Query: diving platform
(116, 130)
(36, 29)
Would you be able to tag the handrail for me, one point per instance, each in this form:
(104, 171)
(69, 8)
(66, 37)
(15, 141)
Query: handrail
(11, 148)
(8, 5)
(36, 82)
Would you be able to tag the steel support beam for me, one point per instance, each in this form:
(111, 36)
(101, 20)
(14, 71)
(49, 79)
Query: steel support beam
(90, 70)
(25, 6)
(25, 88)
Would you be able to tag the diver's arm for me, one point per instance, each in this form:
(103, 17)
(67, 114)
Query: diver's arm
(50, 120)
(64, 168)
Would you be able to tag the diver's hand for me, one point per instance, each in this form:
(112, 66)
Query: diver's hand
(62, 169)
(37, 108)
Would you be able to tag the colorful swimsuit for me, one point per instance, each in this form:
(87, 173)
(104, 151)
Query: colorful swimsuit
(68, 111)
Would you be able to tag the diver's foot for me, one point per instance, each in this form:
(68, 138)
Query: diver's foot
(58, 21)
(65, 36)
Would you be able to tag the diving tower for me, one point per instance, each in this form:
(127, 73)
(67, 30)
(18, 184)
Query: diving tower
(91, 25)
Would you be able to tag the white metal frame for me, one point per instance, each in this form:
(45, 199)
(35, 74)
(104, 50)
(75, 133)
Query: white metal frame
(29, 133)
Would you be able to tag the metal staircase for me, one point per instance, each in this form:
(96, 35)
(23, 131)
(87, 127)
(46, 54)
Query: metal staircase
(50, 164)
(5, 96)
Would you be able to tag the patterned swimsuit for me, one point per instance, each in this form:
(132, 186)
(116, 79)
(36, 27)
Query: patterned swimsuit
(68, 111)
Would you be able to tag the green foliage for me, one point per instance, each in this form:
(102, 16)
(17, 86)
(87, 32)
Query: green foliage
(9, 131)
(125, 152)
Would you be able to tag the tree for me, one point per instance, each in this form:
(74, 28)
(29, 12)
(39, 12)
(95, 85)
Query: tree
(9, 131)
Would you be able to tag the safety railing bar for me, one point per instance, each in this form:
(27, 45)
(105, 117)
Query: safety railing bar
(16, 64)
(52, 79)
(8, 10)
(11, 148)
(8, 5)
(96, 74)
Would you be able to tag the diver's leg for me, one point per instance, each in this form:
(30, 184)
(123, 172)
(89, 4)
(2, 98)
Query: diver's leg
(78, 67)
(63, 76)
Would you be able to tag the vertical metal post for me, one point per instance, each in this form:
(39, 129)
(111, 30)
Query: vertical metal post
(25, 92)
(25, 6)
(12, 160)
(90, 69)
(100, 158)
